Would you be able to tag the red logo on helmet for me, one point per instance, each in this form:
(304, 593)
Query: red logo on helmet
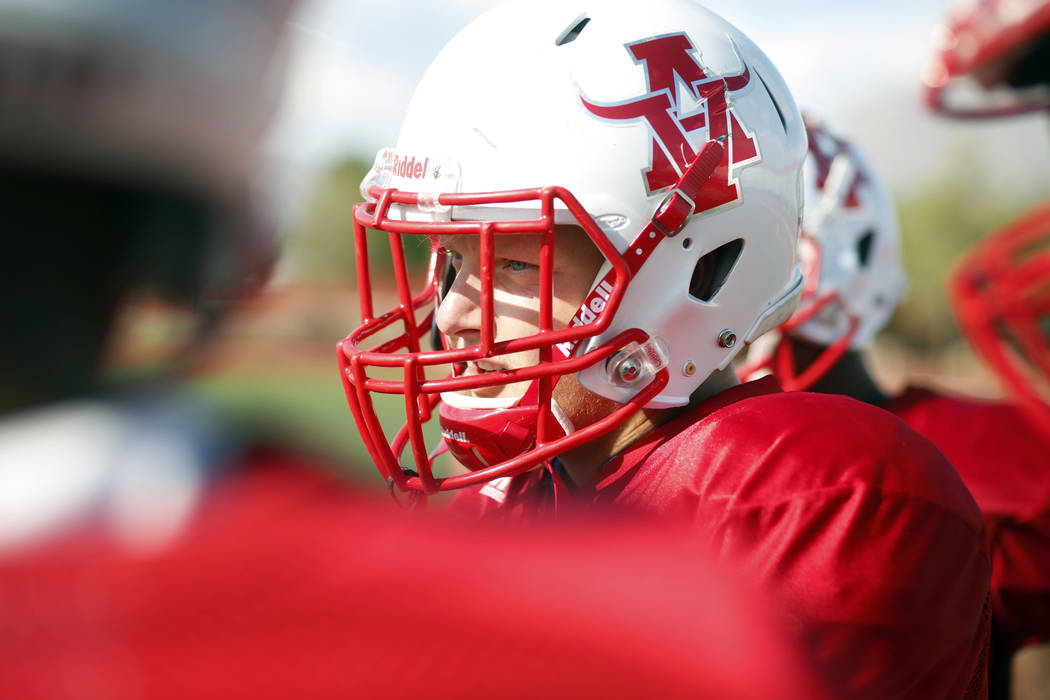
(683, 98)
(824, 147)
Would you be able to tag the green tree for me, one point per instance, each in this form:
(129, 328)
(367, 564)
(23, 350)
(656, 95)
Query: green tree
(940, 222)
(322, 246)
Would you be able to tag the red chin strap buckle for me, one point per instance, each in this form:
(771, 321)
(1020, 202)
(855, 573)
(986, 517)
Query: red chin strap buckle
(680, 203)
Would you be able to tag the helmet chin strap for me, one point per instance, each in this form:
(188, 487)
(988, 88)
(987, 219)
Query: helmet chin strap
(560, 482)
(460, 399)
(559, 415)
(492, 403)
(481, 432)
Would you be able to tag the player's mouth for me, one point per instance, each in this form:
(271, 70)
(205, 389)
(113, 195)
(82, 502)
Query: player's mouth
(500, 388)
(472, 369)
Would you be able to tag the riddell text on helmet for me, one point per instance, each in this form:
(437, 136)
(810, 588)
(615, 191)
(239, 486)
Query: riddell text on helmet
(589, 310)
(410, 167)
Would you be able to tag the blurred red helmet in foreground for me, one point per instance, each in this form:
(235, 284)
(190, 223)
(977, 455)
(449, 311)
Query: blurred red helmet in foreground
(1001, 293)
(991, 59)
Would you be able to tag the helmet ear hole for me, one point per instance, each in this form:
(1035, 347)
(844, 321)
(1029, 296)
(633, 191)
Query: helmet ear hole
(864, 247)
(712, 270)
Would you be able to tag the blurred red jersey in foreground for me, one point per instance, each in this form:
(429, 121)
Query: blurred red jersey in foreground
(288, 585)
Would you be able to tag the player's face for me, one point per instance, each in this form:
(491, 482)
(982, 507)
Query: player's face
(516, 294)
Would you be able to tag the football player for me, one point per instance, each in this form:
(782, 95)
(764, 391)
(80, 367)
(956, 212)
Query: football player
(612, 197)
(850, 250)
(137, 559)
(992, 59)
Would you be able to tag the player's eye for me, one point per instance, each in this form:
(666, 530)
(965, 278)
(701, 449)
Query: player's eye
(518, 265)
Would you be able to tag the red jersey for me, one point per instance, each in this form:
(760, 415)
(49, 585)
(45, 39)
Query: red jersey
(285, 584)
(1006, 465)
(854, 521)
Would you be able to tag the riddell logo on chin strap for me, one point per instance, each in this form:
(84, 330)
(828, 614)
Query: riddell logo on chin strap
(685, 97)
(454, 435)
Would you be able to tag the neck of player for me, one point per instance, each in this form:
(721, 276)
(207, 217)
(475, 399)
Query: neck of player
(583, 462)
(849, 376)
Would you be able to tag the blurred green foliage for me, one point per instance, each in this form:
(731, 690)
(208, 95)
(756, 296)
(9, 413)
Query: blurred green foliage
(305, 411)
(289, 406)
(940, 221)
(322, 247)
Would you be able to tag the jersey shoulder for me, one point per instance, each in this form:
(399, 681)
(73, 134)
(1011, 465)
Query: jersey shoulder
(804, 445)
(995, 450)
(840, 508)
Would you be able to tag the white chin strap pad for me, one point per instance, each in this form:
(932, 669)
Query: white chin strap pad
(563, 420)
(458, 399)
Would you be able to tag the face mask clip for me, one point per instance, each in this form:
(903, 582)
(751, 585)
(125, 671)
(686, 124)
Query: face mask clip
(378, 178)
(636, 364)
(428, 177)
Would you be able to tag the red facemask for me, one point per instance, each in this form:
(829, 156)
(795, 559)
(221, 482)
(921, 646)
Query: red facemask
(1001, 295)
(495, 443)
(981, 48)
(509, 440)
(480, 437)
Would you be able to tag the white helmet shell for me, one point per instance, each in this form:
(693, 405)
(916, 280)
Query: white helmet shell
(850, 247)
(611, 101)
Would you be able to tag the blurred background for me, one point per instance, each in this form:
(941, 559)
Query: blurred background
(354, 66)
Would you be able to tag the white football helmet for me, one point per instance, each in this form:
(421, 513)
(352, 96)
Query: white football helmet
(660, 130)
(849, 251)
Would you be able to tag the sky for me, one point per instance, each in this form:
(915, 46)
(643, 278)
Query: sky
(354, 65)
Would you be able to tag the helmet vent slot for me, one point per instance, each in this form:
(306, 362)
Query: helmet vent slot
(712, 270)
(780, 113)
(864, 247)
(572, 31)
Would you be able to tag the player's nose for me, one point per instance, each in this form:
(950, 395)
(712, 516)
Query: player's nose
(459, 313)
